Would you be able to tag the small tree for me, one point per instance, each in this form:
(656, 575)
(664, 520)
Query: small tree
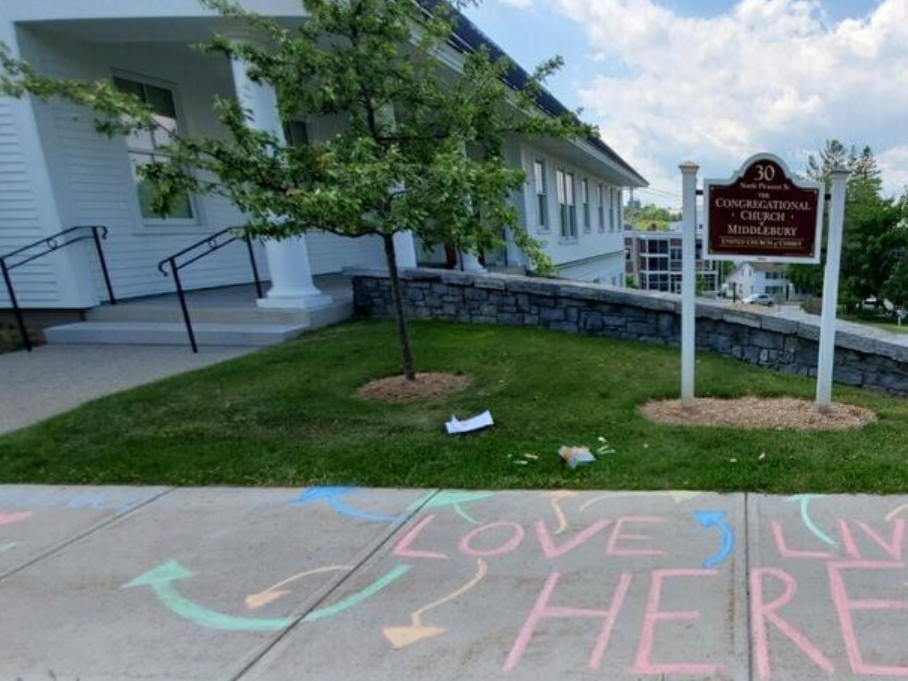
(420, 152)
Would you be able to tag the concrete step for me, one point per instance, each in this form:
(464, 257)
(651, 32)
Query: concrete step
(335, 313)
(135, 312)
(166, 333)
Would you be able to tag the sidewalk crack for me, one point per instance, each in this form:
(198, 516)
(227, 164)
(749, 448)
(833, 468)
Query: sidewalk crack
(83, 535)
(364, 558)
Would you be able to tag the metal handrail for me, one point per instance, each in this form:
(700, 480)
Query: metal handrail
(212, 243)
(51, 243)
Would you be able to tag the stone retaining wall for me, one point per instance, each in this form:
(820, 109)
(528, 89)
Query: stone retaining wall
(767, 340)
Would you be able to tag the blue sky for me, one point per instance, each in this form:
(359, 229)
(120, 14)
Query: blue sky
(627, 64)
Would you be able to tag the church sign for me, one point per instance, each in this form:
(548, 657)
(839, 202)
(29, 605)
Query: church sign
(763, 214)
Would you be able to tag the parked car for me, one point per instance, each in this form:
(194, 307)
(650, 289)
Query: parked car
(870, 304)
(759, 299)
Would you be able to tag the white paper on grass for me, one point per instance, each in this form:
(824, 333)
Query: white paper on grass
(478, 422)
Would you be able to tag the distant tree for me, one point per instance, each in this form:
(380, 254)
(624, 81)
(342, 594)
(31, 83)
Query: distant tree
(807, 279)
(399, 165)
(649, 216)
(833, 155)
(870, 240)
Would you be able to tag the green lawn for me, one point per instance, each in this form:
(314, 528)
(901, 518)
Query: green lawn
(289, 416)
(7, 345)
(885, 324)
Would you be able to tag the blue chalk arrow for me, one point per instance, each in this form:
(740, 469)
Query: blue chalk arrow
(333, 496)
(708, 519)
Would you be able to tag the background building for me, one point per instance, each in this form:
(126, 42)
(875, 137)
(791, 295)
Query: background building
(653, 261)
(58, 172)
(760, 277)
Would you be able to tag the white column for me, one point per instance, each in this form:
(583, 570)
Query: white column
(826, 364)
(688, 280)
(404, 242)
(515, 255)
(405, 249)
(470, 263)
(288, 259)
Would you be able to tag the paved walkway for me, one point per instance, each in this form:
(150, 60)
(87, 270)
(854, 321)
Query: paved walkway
(116, 584)
(56, 378)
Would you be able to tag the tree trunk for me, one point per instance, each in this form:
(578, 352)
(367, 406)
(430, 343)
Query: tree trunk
(403, 334)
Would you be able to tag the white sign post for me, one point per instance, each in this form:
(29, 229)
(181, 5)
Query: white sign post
(688, 280)
(826, 362)
(762, 213)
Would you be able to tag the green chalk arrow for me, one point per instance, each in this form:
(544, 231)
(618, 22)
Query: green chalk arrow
(453, 499)
(161, 580)
(804, 503)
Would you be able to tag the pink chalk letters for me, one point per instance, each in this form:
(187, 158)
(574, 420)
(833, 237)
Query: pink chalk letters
(780, 620)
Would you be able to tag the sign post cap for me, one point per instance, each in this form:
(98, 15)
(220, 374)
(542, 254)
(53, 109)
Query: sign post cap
(689, 167)
(839, 171)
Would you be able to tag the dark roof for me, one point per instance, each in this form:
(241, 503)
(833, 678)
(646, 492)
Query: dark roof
(467, 37)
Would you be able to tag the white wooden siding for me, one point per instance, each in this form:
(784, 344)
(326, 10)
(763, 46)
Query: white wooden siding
(20, 219)
(590, 255)
(92, 181)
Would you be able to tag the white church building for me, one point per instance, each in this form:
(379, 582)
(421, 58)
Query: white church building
(57, 172)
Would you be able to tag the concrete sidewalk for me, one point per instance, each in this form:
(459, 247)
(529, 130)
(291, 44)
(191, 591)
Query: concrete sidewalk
(340, 584)
(55, 378)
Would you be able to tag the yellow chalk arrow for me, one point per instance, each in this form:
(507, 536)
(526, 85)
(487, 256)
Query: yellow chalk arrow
(401, 637)
(556, 498)
(894, 512)
(272, 593)
(679, 496)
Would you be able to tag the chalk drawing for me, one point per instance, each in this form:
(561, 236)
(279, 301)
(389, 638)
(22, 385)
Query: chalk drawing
(718, 519)
(516, 539)
(896, 511)
(804, 502)
(376, 586)
(404, 548)
(786, 552)
(620, 536)
(542, 610)
(679, 496)
(451, 498)
(416, 631)
(552, 551)
(894, 548)
(276, 591)
(555, 499)
(13, 518)
(652, 615)
(845, 606)
(161, 581)
(763, 613)
(333, 495)
(119, 500)
(8, 546)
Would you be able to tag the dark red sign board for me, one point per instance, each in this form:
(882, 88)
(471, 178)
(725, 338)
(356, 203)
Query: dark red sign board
(763, 214)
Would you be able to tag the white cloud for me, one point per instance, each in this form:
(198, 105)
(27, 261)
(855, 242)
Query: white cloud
(894, 164)
(768, 75)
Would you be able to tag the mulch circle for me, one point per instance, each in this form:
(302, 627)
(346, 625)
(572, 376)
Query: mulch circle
(398, 390)
(780, 413)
